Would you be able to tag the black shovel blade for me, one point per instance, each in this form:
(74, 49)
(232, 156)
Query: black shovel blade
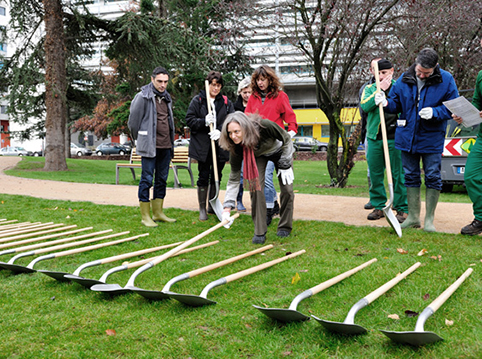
(342, 328)
(16, 268)
(60, 276)
(283, 315)
(191, 300)
(412, 338)
(150, 294)
(86, 282)
(111, 289)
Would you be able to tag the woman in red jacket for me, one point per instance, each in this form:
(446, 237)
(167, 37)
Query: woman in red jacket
(272, 103)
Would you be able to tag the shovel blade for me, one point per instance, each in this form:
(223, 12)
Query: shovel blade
(191, 300)
(16, 268)
(283, 315)
(387, 211)
(86, 282)
(111, 289)
(412, 338)
(60, 276)
(341, 328)
(150, 294)
(216, 203)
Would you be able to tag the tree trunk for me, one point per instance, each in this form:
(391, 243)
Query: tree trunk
(55, 87)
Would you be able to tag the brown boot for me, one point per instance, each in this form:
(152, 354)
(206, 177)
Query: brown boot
(376, 214)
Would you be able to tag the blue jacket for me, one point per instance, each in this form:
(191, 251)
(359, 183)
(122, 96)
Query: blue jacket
(417, 135)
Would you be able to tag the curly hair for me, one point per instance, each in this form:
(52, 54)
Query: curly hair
(274, 83)
(250, 125)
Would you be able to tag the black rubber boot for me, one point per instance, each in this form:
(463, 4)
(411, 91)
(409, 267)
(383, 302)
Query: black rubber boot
(202, 193)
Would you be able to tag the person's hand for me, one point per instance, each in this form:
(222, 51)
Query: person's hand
(292, 133)
(426, 113)
(215, 134)
(386, 82)
(287, 176)
(210, 118)
(226, 216)
(459, 119)
(380, 99)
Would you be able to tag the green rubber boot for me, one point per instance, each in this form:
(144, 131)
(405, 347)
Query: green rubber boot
(413, 201)
(146, 214)
(158, 213)
(431, 200)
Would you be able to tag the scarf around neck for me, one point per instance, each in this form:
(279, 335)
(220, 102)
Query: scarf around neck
(250, 169)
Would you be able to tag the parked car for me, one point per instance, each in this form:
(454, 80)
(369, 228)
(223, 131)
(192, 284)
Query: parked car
(112, 148)
(79, 150)
(309, 144)
(14, 151)
(129, 145)
(38, 153)
(458, 143)
(181, 142)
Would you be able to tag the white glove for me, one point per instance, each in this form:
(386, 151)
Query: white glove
(380, 99)
(287, 176)
(227, 217)
(215, 134)
(426, 113)
(210, 118)
(292, 133)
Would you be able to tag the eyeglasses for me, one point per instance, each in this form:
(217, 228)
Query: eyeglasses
(419, 70)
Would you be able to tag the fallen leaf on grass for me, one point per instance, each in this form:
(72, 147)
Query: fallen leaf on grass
(303, 270)
(248, 326)
(394, 316)
(296, 191)
(449, 322)
(110, 332)
(472, 264)
(402, 251)
(296, 278)
(67, 217)
(410, 313)
(426, 296)
(422, 252)
(439, 258)
(285, 354)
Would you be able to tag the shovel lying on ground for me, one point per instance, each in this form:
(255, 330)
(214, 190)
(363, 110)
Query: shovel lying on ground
(200, 300)
(291, 314)
(88, 282)
(158, 295)
(21, 227)
(117, 289)
(29, 231)
(214, 202)
(21, 269)
(348, 326)
(29, 267)
(387, 210)
(12, 224)
(419, 336)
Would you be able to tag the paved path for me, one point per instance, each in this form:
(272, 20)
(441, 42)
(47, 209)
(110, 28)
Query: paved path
(449, 217)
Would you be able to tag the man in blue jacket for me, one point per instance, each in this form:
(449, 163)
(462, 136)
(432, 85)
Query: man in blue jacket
(418, 97)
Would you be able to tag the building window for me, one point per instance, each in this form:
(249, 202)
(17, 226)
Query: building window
(3, 109)
(306, 131)
(2, 11)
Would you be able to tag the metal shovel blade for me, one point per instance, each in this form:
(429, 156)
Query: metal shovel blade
(16, 268)
(191, 300)
(111, 289)
(283, 315)
(390, 216)
(150, 294)
(86, 282)
(342, 328)
(60, 276)
(216, 204)
(412, 338)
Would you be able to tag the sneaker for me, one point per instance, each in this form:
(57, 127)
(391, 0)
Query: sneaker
(473, 228)
(376, 214)
(282, 233)
(276, 208)
(368, 205)
(269, 216)
(240, 207)
(259, 239)
(401, 216)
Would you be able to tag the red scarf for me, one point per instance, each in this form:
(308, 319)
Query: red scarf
(250, 170)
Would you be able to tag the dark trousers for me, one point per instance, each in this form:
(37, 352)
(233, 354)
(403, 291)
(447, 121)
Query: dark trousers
(156, 168)
(206, 171)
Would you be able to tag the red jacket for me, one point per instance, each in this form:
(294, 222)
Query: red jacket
(276, 109)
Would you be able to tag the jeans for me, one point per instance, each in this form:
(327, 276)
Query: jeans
(432, 163)
(269, 190)
(159, 166)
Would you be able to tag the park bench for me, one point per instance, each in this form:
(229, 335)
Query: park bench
(180, 160)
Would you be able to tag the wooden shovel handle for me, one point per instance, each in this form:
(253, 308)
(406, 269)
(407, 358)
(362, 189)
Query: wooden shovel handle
(449, 291)
(383, 127)
(137, 253)
(252, 270)
(180, 247)
(227, 261)
(340, 277)
(387, 286)
(211, 128)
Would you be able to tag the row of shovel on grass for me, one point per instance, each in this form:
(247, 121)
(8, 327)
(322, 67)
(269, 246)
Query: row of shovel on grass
(417, 337)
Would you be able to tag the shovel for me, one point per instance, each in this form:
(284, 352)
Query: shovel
(200, 300)
(214, 202)
(291, 314)
(348, 326)
(117, 289)
(158, 295)
(11, 224)
(387, 210)
(419, 336)
(54, 228)
(21, 269)
(26, 229)
(88, 283)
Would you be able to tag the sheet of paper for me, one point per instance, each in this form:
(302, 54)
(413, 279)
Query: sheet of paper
(461, 107)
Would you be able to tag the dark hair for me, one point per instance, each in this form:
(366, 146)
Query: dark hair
(274, 83)
(159, 70)
(427, 58)
(214, 75)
